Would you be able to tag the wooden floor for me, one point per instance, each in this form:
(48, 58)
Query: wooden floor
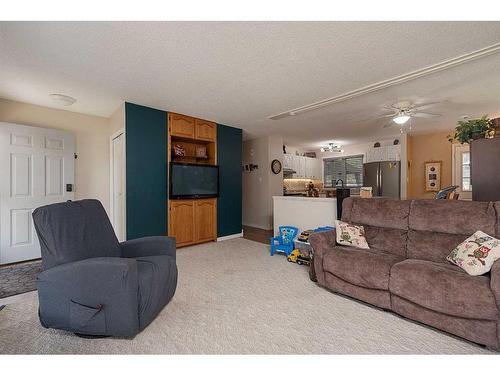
(257, 234)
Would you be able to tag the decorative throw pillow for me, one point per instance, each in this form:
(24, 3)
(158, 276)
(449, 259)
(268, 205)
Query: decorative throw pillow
(476, 254)
(351, 235)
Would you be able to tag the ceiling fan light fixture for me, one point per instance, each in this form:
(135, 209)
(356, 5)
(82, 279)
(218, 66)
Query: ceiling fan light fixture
(401, 119)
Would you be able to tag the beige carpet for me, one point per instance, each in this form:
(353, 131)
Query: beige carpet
(233, 298)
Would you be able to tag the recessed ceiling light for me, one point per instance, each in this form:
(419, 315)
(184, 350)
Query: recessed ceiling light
(61, 99)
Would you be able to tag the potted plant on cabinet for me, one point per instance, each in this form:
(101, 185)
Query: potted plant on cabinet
(469, 130)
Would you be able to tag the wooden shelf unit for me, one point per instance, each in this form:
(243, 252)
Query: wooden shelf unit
(192, 221)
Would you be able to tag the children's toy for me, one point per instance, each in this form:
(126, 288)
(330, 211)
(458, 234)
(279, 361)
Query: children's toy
(304, 236)
(297, 257)
(284, 241)
(322, 229)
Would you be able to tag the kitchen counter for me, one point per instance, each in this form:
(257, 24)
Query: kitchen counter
(295, 198)
(304, 212)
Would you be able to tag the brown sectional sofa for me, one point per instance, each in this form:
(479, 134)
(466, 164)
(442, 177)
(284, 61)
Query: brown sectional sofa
(406, 270)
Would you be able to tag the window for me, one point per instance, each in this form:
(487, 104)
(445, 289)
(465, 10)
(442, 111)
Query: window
(348, 169)
(466, 185)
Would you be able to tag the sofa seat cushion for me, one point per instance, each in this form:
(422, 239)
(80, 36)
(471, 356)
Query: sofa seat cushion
(444, 288)
(157, 277)
(364, 268)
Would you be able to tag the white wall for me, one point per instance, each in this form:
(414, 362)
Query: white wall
(92, 143)
(261, 184)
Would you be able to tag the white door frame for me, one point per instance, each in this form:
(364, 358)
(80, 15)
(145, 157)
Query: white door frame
(111, 180)
(455, 179)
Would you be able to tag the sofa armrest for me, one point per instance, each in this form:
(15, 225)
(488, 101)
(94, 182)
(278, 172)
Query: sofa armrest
(148, 246)
(495, 281)
(322, 241)
(92, 296)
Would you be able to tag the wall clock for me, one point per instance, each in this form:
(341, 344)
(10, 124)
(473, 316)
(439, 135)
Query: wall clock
(276, 166)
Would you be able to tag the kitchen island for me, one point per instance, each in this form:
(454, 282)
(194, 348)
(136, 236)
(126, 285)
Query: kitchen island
(303, 212)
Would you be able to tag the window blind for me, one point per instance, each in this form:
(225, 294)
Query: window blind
(349, 169)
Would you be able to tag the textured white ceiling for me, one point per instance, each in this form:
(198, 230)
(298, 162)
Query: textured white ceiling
(240, 73)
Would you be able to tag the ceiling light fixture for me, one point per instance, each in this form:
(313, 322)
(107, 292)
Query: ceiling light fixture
(331, 147)
(62, 99)
(401, 118)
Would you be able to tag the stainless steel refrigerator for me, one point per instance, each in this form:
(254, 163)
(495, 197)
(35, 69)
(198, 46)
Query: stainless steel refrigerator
(384, 177)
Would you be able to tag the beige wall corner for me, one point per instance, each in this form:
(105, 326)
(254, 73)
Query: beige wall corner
(92, 143)
(117, 120)
(428, 147)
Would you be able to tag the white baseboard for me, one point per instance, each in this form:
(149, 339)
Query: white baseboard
(230, 237)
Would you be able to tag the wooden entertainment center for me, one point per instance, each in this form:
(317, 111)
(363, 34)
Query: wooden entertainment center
(192, 221)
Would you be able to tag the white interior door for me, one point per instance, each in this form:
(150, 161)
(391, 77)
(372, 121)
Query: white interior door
(118, 185)
(36, 169)
(461, 171)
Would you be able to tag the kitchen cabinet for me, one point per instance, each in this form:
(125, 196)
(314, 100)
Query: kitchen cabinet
(299, 166)
(205, 214)
(393, 153)
(205, 130)
(313, 168)
(384, 153)
(193, 221)
(182, 222)
(181, 125)
(303, 166)
(288, 161)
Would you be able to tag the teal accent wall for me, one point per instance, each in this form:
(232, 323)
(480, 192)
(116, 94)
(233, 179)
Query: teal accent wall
(229, 148)
(146, 167)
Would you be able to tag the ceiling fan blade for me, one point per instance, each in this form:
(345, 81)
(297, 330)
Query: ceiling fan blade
(424, 115)
(424, 105)
(388, 125)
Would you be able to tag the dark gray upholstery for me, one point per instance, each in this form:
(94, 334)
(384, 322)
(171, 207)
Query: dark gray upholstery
(74, 231)
(91, 283)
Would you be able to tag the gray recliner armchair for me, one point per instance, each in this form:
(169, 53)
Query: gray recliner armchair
(92, 284)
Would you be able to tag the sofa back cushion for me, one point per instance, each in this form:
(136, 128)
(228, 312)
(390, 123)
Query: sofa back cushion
(377, 212)
(453, 216)
(73, 231)
(385, 222)
(388, 240)
(433, 246)
(437, 226)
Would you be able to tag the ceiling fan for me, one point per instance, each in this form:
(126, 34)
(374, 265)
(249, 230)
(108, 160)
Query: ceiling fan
(404, 111)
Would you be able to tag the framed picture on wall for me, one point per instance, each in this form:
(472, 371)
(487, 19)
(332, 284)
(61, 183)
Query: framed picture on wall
(432, 175)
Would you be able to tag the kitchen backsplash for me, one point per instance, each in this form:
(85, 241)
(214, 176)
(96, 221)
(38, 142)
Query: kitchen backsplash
(300, 184)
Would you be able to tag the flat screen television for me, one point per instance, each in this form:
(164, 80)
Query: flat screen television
(193, 181)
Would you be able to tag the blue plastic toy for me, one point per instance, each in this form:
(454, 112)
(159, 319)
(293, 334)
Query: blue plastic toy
(323, 229)
(284, 242)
